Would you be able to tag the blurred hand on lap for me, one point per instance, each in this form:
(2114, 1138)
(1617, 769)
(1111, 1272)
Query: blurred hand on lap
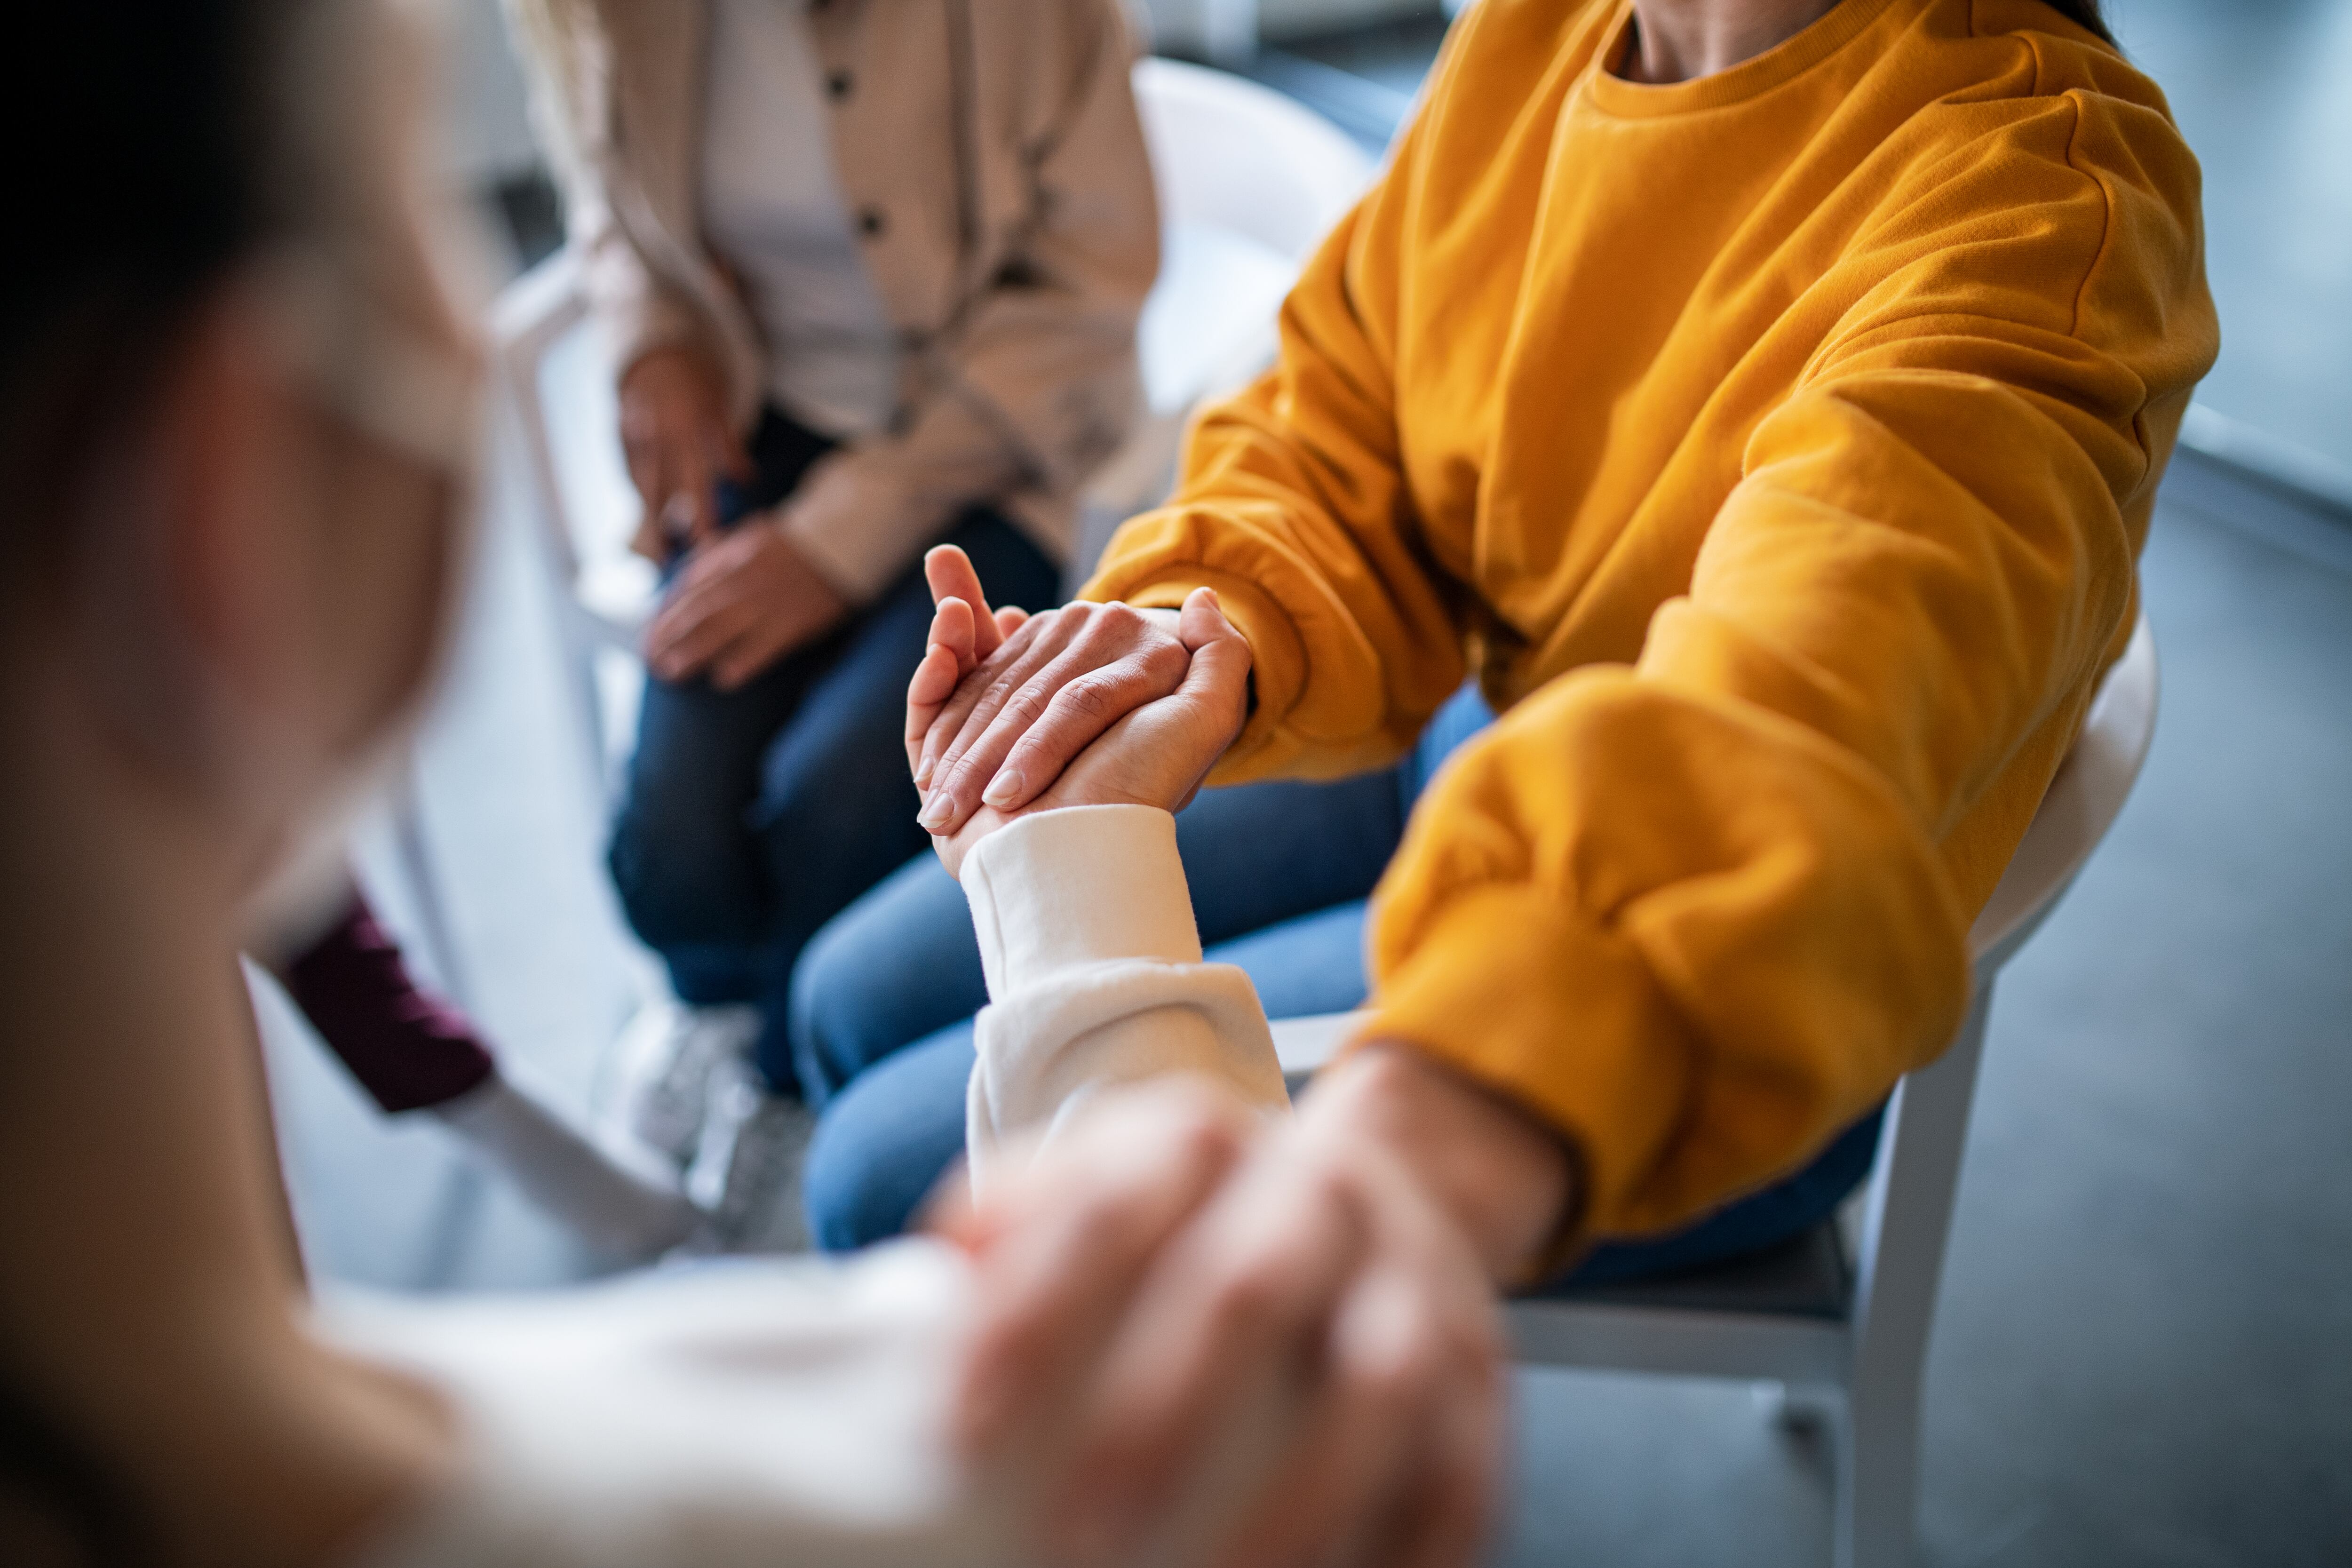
(741, 602)
(675, 433)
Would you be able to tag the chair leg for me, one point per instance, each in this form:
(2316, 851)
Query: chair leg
(1878, 1473)
(1906, 1221)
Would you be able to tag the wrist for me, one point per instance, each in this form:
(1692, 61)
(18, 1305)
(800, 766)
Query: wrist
(1508, 1180)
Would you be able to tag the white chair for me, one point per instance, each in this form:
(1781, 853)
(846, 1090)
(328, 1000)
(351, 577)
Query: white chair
(1851, 1339)
(1248, 182)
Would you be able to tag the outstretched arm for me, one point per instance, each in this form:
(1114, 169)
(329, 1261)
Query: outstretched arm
(1094, 966)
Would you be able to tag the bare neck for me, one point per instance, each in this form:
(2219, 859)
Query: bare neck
(1683, 40)
(148, 1309)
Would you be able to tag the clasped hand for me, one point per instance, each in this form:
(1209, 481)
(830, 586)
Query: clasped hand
(1033, 693)
(1147, 750)
(745, 597)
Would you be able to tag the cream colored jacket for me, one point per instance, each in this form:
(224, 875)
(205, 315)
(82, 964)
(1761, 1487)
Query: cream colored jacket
(990, 153)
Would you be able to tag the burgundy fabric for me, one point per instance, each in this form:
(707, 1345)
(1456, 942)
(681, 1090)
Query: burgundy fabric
(408, 1050)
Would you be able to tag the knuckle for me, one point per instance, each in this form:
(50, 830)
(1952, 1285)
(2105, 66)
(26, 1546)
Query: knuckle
(1028, 704)
(1245, 1297)
(1088, 697)
(1199, 1139)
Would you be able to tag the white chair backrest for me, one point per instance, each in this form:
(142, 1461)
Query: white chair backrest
(2080, 805)
(1228, 153)
(1249, 182)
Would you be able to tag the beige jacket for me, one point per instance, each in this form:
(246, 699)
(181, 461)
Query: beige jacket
(990, 152)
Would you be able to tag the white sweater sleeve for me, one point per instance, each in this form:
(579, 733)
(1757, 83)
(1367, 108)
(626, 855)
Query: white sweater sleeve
(1095, 975)
(736, 1415)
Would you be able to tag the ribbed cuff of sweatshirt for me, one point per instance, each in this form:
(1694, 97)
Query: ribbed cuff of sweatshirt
(1520, 994)
(1095, 975)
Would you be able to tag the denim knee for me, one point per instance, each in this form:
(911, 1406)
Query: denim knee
(672, 896)
(893, 968)
(884, 1142)
(848, 1203)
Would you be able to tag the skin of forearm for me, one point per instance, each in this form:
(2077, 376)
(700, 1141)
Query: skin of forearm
(1506, 1179)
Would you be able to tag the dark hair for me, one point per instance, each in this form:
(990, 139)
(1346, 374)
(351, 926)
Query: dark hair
(138, 179)
(67, 1496)
(2084, 13)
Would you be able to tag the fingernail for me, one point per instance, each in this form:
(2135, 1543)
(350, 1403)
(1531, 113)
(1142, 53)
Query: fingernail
(937, 813)
(1005, 788)
(923, 774)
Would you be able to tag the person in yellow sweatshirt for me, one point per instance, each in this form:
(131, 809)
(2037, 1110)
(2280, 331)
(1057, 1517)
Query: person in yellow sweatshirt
(1764, 402)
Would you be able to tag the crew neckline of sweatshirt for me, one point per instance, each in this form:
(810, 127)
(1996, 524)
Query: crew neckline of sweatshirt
(1750, 79)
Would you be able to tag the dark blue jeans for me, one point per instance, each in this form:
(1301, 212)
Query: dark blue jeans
(753, 816)
(882, 1005)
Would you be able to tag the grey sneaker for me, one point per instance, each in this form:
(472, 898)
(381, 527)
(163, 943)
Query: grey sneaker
(663, 1064)
(747, 1174)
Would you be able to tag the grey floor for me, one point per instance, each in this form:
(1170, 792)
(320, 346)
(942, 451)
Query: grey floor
(2141, 1354)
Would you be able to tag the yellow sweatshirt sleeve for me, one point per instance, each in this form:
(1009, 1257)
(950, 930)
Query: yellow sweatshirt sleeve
(1702, 912)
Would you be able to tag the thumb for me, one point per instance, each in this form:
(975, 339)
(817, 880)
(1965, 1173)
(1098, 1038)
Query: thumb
(728, 454)
(948, 571)
(1201, 621)
(1221, 654)
(1203, 626)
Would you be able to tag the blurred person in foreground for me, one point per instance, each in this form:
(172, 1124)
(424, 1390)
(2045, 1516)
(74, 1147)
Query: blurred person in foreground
(869, 274)
(235, 404)
(1765, 400)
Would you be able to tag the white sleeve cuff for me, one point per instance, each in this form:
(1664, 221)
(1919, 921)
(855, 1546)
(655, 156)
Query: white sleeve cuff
(1094, 976)
(1077, 886)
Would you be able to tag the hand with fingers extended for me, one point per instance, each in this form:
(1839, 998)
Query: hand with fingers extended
(1039, 690)
(678, 444)
(1172, 1279)
(1153, 752)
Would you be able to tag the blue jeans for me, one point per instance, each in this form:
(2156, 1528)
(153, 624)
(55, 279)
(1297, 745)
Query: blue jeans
(882, 1005)
(750, 817)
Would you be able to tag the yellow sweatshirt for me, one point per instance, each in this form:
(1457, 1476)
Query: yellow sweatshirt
(1776, 448)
